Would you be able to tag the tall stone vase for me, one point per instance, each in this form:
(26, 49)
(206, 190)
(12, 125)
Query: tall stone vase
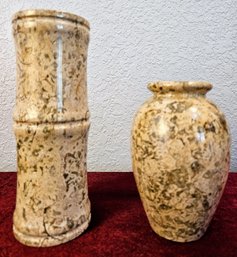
(180, 149)
(51, 122)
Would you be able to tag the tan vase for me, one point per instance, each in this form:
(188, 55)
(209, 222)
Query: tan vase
(51, 122)
(180, 149)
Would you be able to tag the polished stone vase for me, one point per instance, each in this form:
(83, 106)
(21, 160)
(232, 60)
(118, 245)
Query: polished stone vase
(180, 151)
(51, 122)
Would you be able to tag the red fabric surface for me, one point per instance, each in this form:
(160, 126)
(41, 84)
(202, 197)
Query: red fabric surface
(119, 226)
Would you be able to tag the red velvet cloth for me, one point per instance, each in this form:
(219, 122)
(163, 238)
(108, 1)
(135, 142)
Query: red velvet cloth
(119, 226)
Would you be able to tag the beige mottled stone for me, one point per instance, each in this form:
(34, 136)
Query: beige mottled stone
(51, 49)
(180, 149)
(51, 123)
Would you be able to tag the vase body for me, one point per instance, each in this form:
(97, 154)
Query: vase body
(180, 150)
(51, 122)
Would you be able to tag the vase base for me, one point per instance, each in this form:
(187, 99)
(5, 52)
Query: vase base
(41, 241)
(178, 238)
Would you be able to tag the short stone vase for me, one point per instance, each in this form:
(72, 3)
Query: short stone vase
(51, 122)
(180, 151)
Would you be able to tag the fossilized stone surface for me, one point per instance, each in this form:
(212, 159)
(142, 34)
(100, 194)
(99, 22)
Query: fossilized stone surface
(51, 49)
(180, 148)
(51, 123)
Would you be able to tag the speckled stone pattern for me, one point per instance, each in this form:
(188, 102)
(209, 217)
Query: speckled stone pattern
(51, 123)
(180, 149)
(51, 50)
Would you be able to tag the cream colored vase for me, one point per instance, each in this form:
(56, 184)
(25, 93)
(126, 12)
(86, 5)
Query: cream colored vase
(180, 149)
(51, 122)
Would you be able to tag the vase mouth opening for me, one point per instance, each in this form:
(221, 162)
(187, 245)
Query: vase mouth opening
(54, 14)
(194, 87)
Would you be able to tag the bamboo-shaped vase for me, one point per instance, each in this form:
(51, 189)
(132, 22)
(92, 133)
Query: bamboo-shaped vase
(51, 122)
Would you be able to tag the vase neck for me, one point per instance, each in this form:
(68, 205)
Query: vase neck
(183, 87)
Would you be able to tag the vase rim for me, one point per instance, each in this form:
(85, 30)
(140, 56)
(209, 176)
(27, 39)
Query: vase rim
(199, 87)
(34, 13)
